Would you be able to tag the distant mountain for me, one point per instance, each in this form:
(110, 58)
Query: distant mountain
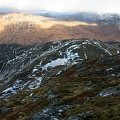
(80, 16)
(109, 19)
(29, 29)
(90, 17)
(5, 10)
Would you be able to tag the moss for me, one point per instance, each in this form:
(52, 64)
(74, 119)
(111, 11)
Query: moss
(71, 87)
(104, 108)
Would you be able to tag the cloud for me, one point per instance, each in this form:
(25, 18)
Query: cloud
(65, 5)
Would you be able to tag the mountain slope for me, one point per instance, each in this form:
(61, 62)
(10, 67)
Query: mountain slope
(29, 29)
(64, 80)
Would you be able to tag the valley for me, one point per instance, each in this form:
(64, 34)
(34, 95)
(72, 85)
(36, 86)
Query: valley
(30, 29)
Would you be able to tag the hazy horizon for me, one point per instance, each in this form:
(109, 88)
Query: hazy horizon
(106, 6)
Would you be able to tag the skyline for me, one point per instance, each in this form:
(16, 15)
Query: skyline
(106, 6)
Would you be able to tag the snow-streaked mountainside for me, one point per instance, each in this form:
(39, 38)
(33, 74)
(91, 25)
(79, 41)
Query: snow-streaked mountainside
(59, 80)
(106, 18)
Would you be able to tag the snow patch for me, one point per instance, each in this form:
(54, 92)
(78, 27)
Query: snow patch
(34, 70)
(85, 56)
(54, 63)
(36, 83)
(110, 91)
(109, 69)
(118, 52)
(13, 89)
(97, 43)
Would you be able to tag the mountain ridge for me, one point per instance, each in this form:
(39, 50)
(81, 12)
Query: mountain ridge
(64, 80)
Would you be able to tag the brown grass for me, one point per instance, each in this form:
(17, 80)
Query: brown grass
(28, 29)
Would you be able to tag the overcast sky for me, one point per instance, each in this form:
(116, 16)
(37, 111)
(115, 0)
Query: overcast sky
(100, 6)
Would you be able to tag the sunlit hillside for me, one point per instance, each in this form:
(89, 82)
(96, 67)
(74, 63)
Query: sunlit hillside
(43, 22)
(27, 29)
